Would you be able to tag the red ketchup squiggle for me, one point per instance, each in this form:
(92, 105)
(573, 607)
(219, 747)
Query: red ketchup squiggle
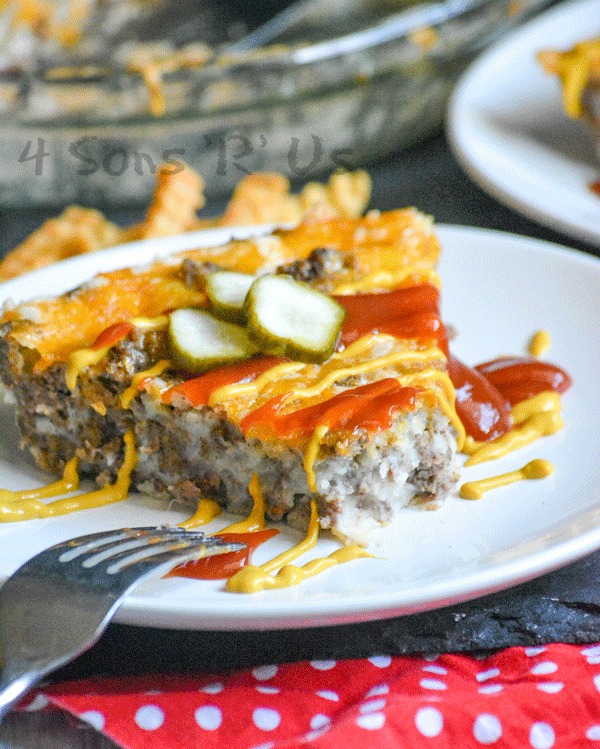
(223, 566)
(483, 410)
(519, 378)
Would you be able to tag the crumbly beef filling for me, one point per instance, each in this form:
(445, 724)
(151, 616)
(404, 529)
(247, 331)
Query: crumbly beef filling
(185, 454)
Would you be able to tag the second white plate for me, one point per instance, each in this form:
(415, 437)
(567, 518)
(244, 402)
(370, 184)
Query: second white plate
(507, 127)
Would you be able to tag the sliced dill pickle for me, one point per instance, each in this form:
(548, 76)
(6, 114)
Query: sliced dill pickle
(289, 318)
(199, 342)
(226, 292)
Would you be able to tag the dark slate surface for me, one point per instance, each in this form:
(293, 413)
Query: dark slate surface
(561, 606)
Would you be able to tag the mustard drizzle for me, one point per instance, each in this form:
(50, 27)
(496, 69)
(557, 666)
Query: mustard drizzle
(68, 483)
(433, 382)
(536, 426)
(545, 402)
(256, 520)
(29, 508)
(311, 453)
(535, 469)
(541, 403)
(237, 390)
(539, 344)
(130, 393)
(206, 511)
(252, 578)
(83, 358)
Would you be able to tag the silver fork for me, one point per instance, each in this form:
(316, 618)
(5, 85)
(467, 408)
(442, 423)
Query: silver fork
(59, 603)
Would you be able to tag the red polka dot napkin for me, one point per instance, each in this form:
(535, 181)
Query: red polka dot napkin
(539, 697)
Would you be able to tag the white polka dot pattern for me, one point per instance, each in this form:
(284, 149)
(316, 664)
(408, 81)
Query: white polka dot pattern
(541, 736)
(263, 689)
(328, 694)
(266, 718)
(372, 707)
(381, 661)
(593, 733)
(429, 721)
(511, 697)
(433, 669)
(208, 717)
(532, 652)
(378, 690)
(213, 688)
(487, 729)
(544, 668)
(550, 687)
(149, 717)
(371, 721)
(319, 721)
(94, 718)
(433, 684)
(39, 702)
(491, 673)
(323, 665)
(262, 673)
(490, 689)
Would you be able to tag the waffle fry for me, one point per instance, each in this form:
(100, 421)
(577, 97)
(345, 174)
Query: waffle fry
(266, 199)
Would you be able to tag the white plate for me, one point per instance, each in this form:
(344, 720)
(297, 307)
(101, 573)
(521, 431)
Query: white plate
(508, 129)
(498, 290)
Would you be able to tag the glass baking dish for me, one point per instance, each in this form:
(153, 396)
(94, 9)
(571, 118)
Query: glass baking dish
(89, 135)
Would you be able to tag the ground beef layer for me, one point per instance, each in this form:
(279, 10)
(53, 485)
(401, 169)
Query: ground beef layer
(186, 454)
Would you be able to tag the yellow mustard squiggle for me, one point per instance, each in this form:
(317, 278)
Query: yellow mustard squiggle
(206, 511)
(29, 509)
(536, 426)
(535, 469)
(256, 520)
(130, 393)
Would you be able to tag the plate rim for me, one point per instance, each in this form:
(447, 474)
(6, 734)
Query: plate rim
(461, 145)
(364, 607)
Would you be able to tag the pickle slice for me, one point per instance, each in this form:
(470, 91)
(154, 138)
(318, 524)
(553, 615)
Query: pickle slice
(289, 318)
(226, 292)
(199, 342)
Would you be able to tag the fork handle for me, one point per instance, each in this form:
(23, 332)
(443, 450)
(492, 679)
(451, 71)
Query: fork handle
(27, 661)
(13, 687)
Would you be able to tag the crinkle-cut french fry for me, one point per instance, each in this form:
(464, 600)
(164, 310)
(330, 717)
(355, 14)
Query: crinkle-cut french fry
(261, 198)
(346, 195)
(177, 197)
(265, 198)
(76, 231)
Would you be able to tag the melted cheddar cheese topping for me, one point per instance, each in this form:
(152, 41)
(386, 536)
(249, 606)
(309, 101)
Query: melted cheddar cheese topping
(389, 243)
